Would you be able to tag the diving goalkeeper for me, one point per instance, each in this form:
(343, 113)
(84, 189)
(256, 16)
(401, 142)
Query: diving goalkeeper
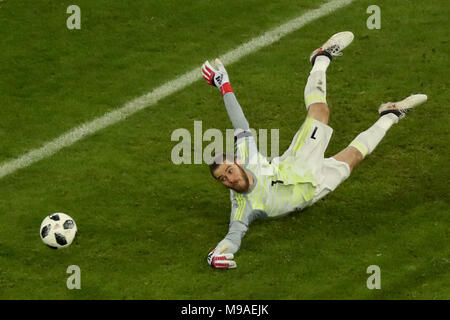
(260, 188)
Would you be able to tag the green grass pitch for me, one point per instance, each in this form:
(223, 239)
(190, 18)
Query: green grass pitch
(145, 224)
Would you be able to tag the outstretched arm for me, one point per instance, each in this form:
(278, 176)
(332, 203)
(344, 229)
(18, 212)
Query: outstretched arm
(242, 215)
(221, 257)
(219, 78)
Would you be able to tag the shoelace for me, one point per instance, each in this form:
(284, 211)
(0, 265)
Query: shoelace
(402, 112)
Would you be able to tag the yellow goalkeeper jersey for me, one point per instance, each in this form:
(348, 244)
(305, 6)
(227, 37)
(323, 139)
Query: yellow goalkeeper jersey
(280, 186)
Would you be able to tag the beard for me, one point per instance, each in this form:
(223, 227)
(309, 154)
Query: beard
(246, 180)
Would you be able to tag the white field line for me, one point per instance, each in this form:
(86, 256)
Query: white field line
(142, 102)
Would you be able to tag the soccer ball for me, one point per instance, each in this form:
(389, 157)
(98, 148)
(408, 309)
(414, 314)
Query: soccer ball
(58, 230)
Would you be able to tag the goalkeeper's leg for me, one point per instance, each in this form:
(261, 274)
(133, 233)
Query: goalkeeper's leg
(316, 87)
(366, 141)
(315, 91)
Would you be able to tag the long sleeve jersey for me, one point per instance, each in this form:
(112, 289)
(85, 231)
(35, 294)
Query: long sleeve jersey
(280, 186)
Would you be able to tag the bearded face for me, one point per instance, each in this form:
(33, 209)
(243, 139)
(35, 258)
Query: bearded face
(233, 176)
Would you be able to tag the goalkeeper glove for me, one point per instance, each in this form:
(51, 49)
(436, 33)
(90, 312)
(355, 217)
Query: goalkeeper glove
(218, 78)
(221, 260)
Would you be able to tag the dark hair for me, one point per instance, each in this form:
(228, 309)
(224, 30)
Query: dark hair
(218, 160)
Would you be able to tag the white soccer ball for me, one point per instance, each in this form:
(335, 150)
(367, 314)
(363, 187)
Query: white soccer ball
(58, 230)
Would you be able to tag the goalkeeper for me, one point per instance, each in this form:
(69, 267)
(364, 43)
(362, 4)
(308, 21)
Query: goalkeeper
(260, 188)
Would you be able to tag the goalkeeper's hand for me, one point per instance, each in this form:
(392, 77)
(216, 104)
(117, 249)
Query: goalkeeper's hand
(218, 78)
(219, 260)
